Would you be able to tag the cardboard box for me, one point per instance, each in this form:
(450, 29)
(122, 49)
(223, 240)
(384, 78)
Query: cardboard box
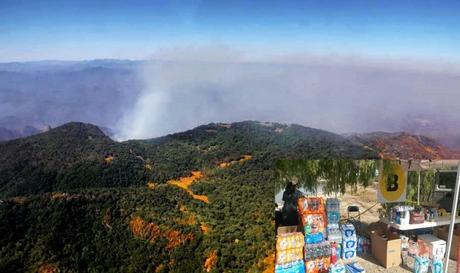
(289, 245)
(386, 248)
(443, 233)
(289, 255)
(287, 229)
(437, 246)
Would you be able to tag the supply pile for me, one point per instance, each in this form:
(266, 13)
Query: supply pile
(349, 241)
(312, 214)
(289, 251)
(323, 245)
(334, 235)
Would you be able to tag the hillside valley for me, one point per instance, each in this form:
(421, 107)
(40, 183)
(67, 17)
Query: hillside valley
(74, 200)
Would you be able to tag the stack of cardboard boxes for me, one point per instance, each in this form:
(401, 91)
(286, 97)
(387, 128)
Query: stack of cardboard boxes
(436, 251)
(349, 241)
(443, 232)
(317, 252)
(334, 235)
(289, 251)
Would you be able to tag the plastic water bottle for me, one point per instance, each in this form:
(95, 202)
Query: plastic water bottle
(333, 252)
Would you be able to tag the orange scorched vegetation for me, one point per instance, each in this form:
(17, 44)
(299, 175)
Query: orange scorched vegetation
(108, 159)
(242, 159)
(159, 268)
(144, 230)
(58, 195)
(210, 261)
(176, 238)
(269, 263)
(47, 268)
(204, 228)
(403, 145)
(185, 182)
(150, 232)
(150, 185)
(182, 208)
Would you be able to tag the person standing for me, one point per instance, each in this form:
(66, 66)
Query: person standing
(289, 212)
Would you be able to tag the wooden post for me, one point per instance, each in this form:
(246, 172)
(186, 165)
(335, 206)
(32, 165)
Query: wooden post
(418, 189)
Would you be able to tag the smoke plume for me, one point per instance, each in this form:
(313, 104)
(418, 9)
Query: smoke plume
(183, 88)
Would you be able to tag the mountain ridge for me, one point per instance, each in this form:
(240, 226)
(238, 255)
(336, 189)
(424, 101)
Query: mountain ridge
(404, 145)
(65, 157)
(69, 194)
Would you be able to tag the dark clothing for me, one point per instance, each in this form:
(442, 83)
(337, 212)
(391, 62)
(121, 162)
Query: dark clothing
(290, 216)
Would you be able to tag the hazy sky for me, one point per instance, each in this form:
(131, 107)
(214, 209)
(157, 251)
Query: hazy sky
(344, 66)
(87, 29)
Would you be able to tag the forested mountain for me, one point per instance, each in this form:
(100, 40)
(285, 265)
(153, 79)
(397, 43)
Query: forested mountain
(78, 155)
(67, 157)
(74, 200)
(404, 145)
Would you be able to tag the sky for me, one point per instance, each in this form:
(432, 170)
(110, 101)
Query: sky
(87, 29)
(343, 66)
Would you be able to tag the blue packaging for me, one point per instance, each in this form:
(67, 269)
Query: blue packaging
(333, 217)
(314, 238)
(354, 268)
(332, 204)
(421, 264)
(350, 242)
(348, 230)
(348, 253)
(359, 249)
(337, 268)
(362, 245)
(294, 267)
(437, 266)
(339, 250)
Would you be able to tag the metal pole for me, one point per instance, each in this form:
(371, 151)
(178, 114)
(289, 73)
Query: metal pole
(452, 220)
(418, 189)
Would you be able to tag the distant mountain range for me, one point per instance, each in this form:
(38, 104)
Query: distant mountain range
(51, 93)
(27, 130)
(35, 95)
(9, 134)
(389, 145)
(404, 145)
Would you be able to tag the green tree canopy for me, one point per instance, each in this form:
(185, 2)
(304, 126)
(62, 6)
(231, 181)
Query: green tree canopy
(338, 174)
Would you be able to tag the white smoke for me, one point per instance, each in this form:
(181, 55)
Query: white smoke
(184, 88)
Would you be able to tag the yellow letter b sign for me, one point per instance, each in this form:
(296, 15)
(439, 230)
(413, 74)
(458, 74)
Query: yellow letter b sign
(392, 186)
